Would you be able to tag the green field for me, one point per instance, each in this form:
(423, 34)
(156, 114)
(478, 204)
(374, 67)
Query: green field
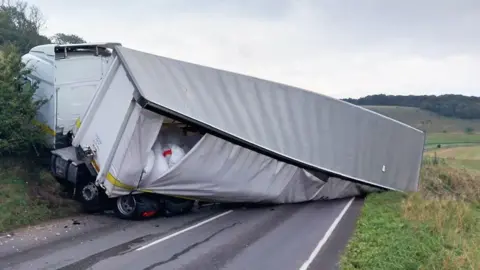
(465, 153)
(452, 138)
(425, 120)
(448, 132)
(458, 149)
(466, 157)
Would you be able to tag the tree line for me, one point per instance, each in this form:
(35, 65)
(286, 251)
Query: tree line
(21, 24)
(458, 106)
(20, 27)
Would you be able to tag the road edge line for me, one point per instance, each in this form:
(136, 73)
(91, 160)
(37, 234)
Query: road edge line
(327, 235)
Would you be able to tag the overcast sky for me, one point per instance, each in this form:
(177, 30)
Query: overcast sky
(342, 48)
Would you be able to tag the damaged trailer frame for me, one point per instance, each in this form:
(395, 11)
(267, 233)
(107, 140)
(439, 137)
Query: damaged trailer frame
(303, 143)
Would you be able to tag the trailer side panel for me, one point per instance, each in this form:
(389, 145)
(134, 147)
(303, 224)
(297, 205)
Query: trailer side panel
(308, 128)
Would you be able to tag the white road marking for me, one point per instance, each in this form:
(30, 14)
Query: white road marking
(327, 235)
(184, 230)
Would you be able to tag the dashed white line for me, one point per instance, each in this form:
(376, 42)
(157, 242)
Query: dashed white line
(327, 235)
(184, 230)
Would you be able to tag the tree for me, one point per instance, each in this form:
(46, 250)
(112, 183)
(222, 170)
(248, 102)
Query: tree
(61, 38)
(20, 24)
(17, 131)
(447, 105)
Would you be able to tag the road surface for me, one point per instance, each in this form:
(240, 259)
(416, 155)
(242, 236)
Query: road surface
(297, 236)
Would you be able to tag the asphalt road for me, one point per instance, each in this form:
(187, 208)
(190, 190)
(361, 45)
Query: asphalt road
(298, 236)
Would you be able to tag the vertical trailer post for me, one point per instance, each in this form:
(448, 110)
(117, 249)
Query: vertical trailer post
(106, 167)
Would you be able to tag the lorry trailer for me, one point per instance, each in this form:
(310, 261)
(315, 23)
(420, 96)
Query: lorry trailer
(161, 133)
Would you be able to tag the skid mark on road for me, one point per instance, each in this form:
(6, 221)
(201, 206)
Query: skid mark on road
(222, 254)
(184, 230)
(194, 245)
(216, 239)
(125, 248)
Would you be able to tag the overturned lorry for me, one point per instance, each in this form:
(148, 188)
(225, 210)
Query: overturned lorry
(66, 77)
(240, 139)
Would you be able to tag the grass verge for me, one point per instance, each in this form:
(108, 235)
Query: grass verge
(29, 195)
(435, 228)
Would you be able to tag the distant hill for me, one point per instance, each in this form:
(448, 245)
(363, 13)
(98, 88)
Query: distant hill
(457, 106)
(425, 120)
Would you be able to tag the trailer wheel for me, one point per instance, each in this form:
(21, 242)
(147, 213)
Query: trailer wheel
(126, 207)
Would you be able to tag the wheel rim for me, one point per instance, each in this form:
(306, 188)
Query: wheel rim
(89, 192)
(126, 205)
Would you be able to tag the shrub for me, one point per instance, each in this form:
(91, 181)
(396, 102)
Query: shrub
(446, 182)
(469, 130)
(17, 107)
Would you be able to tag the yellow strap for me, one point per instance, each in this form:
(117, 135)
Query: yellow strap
(78, 123)
(117, 183)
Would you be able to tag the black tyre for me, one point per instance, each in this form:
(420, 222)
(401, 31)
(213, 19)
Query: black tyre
(126, 207)
(136, 207)
(89, 195)
(176, 206)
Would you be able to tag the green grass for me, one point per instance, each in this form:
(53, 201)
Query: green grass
(466, 164)
(467, 157)
(385, 240)
(425, 120)
(435, 228)
(465, 152)
(430, 147)
(29, 195)
(452, 138)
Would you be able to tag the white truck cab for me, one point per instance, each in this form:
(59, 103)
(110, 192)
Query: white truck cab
(67, 76)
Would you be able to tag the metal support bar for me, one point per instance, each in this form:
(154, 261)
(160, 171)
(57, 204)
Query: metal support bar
(106, 167)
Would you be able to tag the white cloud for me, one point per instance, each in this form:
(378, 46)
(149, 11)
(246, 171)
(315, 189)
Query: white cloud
(339, 48)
